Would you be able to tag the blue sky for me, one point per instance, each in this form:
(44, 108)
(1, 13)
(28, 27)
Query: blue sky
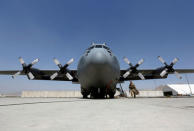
(65, 28)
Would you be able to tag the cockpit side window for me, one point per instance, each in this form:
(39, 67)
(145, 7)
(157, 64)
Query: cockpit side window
(88, 50)
(105, 47)
(108, 49)
(91, 48)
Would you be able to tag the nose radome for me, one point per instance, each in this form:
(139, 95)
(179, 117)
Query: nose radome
(99, 58)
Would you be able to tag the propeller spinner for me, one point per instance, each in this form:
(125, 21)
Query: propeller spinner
(26, 68)
(63, 69)
(169, 68)
(133, 69)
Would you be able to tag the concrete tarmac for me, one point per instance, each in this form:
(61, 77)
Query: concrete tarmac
(76, 114)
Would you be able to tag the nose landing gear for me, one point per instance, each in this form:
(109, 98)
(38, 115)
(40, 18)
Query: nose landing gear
(97, 93)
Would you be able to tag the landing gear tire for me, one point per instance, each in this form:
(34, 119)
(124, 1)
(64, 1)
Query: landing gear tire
(97, 93)
(111, 96)
(112, 93)
(84, 93)
(85, 96)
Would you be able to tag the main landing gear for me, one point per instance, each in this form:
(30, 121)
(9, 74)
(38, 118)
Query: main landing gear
(85, 93)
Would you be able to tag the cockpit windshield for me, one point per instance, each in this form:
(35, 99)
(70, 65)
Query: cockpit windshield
(98, 46)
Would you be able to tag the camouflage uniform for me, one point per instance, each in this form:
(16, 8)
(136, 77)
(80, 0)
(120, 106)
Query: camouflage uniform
(132, 90)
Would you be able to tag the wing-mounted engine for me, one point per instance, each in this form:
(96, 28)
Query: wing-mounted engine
(27, 69)
(63, 69)
(169, 68)
(133, 69)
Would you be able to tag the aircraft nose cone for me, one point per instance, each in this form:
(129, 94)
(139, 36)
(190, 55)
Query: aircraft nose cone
(99, 58)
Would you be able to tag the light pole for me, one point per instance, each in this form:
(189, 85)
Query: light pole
(188, 84)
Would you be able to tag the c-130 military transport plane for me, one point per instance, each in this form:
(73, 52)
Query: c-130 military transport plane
(98, 72)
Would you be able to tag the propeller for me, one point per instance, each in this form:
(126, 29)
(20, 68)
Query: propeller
(169, 68)
(63, 69)
(133, 69)
(26, 68)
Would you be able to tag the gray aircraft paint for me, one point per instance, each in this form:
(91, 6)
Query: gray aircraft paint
(97, 68)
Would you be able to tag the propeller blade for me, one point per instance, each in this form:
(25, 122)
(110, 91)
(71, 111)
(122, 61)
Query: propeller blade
(70, 61)
(177, 75)
(35, 61)
(127, 74)
(164, 72)
(141, 76)
(31, 76)
(21, 60)
(175, 61)
(54, 76)
(16, 74)
(127, 61)
(57, 63)
(69, 76)
(162, 60)
(141, 61)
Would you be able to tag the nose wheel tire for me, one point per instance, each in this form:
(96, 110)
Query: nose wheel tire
(85, 96)
(97, 93)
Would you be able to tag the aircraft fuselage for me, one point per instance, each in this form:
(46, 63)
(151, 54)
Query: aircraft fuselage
(98, 72)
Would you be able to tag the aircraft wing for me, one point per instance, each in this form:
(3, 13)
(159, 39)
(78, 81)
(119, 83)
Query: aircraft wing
(132, 73)
(44, 74)
(184, 71)
(151, 74)
(10, 72)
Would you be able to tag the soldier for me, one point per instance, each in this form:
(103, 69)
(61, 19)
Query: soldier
(132, 90)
